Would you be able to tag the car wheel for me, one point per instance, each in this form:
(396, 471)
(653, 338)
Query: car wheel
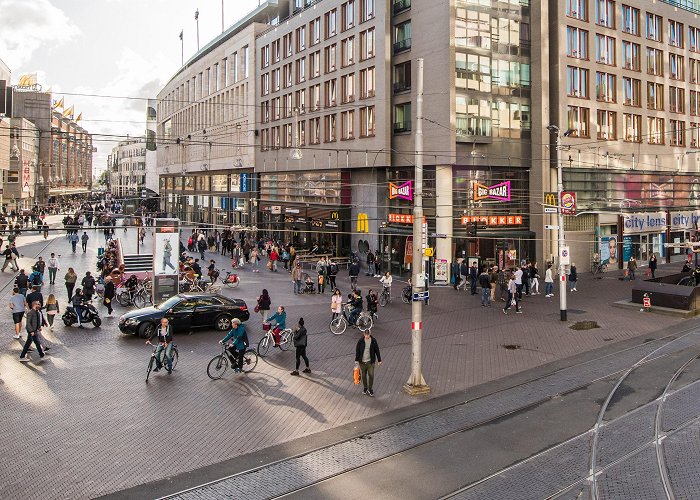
(146, 330)
(223, 323)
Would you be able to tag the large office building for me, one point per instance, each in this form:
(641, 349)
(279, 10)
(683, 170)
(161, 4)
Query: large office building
(322, 120)
(127, 172)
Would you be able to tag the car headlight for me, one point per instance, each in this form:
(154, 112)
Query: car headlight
(131, 322)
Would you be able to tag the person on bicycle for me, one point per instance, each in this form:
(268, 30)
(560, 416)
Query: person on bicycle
(165, 342)
(372, 301)
(386, 282)
(211, 271)
(238, 344)
(280, 323)
(356, 305)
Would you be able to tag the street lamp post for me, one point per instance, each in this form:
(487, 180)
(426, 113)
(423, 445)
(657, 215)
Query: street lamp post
(560, 187)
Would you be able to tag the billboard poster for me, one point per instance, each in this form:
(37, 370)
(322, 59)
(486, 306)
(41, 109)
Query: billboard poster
(166, 248)
(441, 272)
(627, 249)
(166, 252)
(608, 250)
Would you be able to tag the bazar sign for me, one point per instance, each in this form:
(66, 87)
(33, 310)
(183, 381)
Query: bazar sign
(401, 191)
(493, 220)
(639, 223)
(500, 192)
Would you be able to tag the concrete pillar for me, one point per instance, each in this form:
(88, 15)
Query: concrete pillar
(444, 212)
(365, 201)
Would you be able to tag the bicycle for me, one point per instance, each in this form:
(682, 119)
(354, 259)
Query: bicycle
(286, 338)
(231, 280)
(219, 364)
(385, 297)
(340, 323)
(138, 298)
(152, 361)
(598, 268)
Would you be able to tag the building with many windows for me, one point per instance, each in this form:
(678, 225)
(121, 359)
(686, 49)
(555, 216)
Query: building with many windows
(127, 173)
(321, 100)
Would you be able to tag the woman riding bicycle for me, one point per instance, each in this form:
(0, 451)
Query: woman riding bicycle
(280, 323)
(239, 342)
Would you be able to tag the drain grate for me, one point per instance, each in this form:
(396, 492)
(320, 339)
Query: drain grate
(584, 325)
(511, 347)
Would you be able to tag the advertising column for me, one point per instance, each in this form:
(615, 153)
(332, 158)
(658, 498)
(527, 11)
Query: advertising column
(166, 249)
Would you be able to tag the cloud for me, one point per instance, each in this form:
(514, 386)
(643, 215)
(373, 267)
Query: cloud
(28, 26)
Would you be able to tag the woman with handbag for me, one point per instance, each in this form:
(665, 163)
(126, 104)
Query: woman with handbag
(263, 305)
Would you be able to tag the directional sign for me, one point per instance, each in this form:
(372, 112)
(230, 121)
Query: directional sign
(418, 296)
(551, 227)
(550, 210)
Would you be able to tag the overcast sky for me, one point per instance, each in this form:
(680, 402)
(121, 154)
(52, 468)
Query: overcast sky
(107, 47)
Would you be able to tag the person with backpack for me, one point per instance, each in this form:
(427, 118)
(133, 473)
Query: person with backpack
(300, 342)
(88, 284)
(485, 283)
(264, 303)
(322, 269)
(36, 279)
(354, 272)
(332, 273)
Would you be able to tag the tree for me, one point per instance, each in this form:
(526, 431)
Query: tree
(103, 179)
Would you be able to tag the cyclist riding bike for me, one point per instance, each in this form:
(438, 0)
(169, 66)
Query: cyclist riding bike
(279, 319)
(165, 342)
(356, 304)
(238, 344)
(386, 280)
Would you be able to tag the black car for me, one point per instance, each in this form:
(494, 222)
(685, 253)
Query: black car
(185, 312)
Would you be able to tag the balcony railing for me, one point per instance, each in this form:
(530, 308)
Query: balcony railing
(401, 87)
(404, 126)
(401, 5)
(402, 45)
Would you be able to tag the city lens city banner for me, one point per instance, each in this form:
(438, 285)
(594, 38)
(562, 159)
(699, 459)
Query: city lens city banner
(166, 251)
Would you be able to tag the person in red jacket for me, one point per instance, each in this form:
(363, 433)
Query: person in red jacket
(274, 257)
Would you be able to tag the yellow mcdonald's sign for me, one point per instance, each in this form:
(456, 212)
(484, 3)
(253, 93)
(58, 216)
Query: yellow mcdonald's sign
(362, 223)
(550, 198)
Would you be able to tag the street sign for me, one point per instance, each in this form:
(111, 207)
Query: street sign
(565, 256)
(551, 228)
(550, 210)
(438, 235)
(418, 296)
(646, 302)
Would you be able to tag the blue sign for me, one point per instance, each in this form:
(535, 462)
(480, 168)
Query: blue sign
(418, 296)
(244, 183)
(627, 248)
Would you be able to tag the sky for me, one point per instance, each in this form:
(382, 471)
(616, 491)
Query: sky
(121, 48)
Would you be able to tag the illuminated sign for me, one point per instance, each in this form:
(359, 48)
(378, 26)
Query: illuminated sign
(500, 192)
(493, 220)
(401, 218)
(402, 191)
(568, 203)
(362, 223)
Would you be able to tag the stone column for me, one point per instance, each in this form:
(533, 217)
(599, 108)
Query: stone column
(443, 212)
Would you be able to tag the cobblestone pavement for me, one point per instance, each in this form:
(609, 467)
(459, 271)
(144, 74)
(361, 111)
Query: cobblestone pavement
(102, 429)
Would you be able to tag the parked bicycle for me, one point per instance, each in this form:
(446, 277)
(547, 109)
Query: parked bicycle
(231, 280)
(385, 297)
(219, 364)
(268, 340)
(598, 268)
(152, 361)
(340, 323)
(138, 297)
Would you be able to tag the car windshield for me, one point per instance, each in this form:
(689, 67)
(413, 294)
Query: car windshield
(169, 303)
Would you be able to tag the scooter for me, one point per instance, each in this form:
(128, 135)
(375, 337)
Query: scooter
(90, 315)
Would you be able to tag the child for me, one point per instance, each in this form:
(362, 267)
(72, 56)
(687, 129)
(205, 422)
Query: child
(51, 309)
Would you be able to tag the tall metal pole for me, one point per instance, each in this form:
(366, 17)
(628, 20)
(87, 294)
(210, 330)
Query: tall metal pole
(416, 383)
(222, 16)
(562, 272)
(196, 18)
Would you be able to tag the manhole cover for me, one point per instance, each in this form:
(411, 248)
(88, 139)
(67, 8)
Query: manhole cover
(511, 347)
(584, 325)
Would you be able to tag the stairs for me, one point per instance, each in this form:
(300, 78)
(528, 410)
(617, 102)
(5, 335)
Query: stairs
(138, 263)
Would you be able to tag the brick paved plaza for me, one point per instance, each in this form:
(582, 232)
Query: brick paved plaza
(87, 421)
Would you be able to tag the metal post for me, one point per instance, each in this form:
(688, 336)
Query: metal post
(562, 273)
(416, 383)
(222, 16)
(196, 18)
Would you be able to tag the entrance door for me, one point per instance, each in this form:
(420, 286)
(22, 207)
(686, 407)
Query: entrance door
(645, 243)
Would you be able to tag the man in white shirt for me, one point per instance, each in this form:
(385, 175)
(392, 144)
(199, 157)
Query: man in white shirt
(519, 283)
(53, 268)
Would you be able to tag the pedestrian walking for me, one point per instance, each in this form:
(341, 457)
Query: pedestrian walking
(485, 283)
(52, 310)
(109, 294)
(88, 284)
(513, 299)
(548, 282)
(632, 268)
(296, 278)
(518, 276)
(18, 306)
(22, 282)
(502, 281)
(84, 239)
(493, 276)
(70, 278)
(332, 273)
(366, 355)
(322, 270)
(336, 303)
(370, 263)
(573, 278)
(300, 341)
(35, 296)
(473, 277)
(53, 268)
(73, 238)
(463, 275)
(255, 260)
(264, 303)
(10, 259)
(652, 265)
(535, 279)
(34, 321)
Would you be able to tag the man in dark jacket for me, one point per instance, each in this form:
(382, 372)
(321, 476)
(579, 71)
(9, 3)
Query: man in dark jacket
(34, 321)
(366, 355)
(473, 275)
(300, 341)
(485, 283)
(108, 294)
(332, 273)
(35, 296)
(354, 272)
(88, 286)
(22, 282)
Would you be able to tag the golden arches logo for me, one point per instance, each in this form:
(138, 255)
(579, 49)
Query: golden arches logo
(362, 223)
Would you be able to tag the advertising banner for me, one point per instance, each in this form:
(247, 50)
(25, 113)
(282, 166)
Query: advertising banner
(608, 250)
(441, 277)
(166, 249)
(627, 249)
